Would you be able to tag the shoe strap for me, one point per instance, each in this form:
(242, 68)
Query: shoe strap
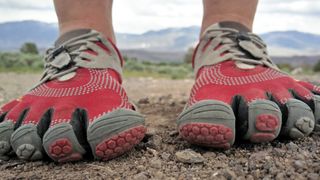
(74, 53)
(221, 44)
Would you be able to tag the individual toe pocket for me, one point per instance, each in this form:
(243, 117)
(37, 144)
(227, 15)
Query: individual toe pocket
(264, 120)
(12, 121)
(317, 112)
(62, 140)
(115, 133)
(26, 141)
(298, 119)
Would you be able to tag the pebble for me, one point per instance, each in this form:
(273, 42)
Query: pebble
(259, 156)
(280, 176)
(298, 164)
(209, 155)
(224, 174)
(152, 151)
(165, 156)
(189, 156)
(154, 142)
(159, 175)
(173, 133)
(141, 176)
(313, 176)
(155, 163)
(144, 101)
(292, 146)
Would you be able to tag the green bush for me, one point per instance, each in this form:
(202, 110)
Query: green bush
(29, 48)
(20, 61)
(316, 67)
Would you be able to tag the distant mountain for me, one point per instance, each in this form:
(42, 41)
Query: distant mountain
(14, 34)
(166, 44)
(292, 42)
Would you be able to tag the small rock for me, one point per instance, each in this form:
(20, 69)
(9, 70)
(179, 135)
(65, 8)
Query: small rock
(159, 175)
(155, 163)
(259, 156)
(165, 156)
(299, 164)
(209, 155)
(151, 132)
(229, 174)
(224, 174)
(144, 101)
(152, 151)
(279, 152)
(280, 176)
(173, 133)
(141, 168)
(292, 146)
(189, 156)
(141, 176)
(154, 142)
(313, 176)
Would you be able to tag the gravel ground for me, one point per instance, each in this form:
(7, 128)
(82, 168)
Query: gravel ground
(163, 154)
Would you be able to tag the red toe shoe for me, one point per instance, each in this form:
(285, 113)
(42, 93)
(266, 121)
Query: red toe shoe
(240, 93)
(78, 105)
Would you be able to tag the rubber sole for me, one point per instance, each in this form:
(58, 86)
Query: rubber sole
(61, 144)
(115, 133)
(300, 122)
(264, 121)
(317, 113)
(208, 123)
(6, 130)
(26, 142)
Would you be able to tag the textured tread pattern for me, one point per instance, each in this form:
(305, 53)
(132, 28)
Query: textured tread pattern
(264, 121)
(26, 142)
(210, 135)
(208, 123)
(61, 149)
(119, 144)
(115, 133)
(61, 144)
(300, 121)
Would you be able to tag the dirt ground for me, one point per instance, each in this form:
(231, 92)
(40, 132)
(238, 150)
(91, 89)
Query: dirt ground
(155, 158)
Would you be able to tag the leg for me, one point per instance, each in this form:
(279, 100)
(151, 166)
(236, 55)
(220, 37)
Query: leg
(239, 92)
(93, 14)
(215, 11)
(80, 106)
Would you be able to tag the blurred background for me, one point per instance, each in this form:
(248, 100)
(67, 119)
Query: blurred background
(157, 37)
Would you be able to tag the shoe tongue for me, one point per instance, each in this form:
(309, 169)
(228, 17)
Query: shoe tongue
(241, 30)
(69, 35)
(228, 24)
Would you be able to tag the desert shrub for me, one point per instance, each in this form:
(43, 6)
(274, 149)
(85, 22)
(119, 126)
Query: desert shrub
(285, 67)
(10, 60)
(133, 65)
(20, 61)
(29, 48)
(316, 67)
(188, 56)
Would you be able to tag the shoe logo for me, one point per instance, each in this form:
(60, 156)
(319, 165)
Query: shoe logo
(67, 76)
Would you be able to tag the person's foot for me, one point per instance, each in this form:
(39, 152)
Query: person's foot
(78, 107)
(240, 93)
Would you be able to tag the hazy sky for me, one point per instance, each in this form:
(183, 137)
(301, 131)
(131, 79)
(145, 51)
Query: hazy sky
(137, 16)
